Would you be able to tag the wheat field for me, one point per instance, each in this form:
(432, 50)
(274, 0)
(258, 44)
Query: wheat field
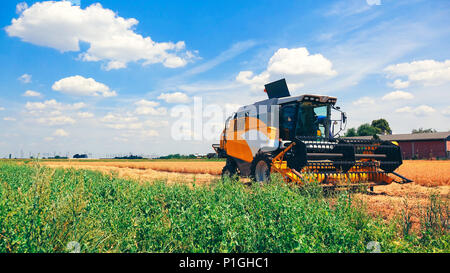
(422, 172)
(428, 173)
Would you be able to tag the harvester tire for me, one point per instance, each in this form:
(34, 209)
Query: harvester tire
(260, 168)
(230, 169)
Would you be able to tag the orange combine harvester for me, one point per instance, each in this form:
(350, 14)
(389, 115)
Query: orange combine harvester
(295, 137)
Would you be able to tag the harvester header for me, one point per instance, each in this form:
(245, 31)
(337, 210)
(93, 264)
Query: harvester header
(296, 137)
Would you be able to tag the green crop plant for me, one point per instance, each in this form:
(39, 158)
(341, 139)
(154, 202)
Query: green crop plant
(46, 210)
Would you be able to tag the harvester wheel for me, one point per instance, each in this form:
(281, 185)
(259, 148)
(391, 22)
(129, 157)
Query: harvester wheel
(230, 169)
(260, 168)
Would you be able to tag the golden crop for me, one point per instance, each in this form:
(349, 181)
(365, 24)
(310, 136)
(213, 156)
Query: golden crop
(423, 172)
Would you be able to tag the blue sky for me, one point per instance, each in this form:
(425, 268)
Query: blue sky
(106, 77)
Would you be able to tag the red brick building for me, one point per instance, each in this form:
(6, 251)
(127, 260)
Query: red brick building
(421, 146)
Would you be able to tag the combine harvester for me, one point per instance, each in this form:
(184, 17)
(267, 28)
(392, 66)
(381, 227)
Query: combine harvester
(295, 137)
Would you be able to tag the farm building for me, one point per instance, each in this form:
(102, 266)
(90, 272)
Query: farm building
(420, 146)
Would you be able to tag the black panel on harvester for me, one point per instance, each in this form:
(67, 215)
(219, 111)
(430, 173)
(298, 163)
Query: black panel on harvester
(277, 89)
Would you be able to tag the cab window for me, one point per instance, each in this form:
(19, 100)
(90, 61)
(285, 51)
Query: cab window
(312, 120)
(287, 121)
(320, 118)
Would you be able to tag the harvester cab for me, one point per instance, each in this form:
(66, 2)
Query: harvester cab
(296, 137)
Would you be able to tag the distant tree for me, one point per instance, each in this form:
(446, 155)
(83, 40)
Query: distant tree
(378, 126)
(367, 130)
(178, 156)
(382, 125)
(351, 132)
(129, 157)
(421, 130)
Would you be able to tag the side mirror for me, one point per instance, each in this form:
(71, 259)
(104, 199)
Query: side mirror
(334, 123)
(343, 117)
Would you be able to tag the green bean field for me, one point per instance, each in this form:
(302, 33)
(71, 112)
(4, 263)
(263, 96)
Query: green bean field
(48, 210)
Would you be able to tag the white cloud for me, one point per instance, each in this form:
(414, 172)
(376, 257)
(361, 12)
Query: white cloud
(150, 133)
(112, 65)
(373, 2)
(25, 78)
(49, 138)
(364, 101)
(54, 113)
(85, 115)
(124, 122)
(398, 95)
(53, 104)
(255, 81)
(149, 103)
(62, 26)
(152, 123)
(31, 93)
(117, 118)
(129, 126)
(446, 111)
(80, 86)
(58, 120)
(176, 97)
(398, 84)
(293, 62)
(129, 122)
(298, 61)
(406, 109)
(51, 112)
(146, 107)
(418, 111)
(426, 72)
(143, 110)
(2, 108)
(60, 133)
(424, 110)
(21, 7)
(120, 139)
(9, 119)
